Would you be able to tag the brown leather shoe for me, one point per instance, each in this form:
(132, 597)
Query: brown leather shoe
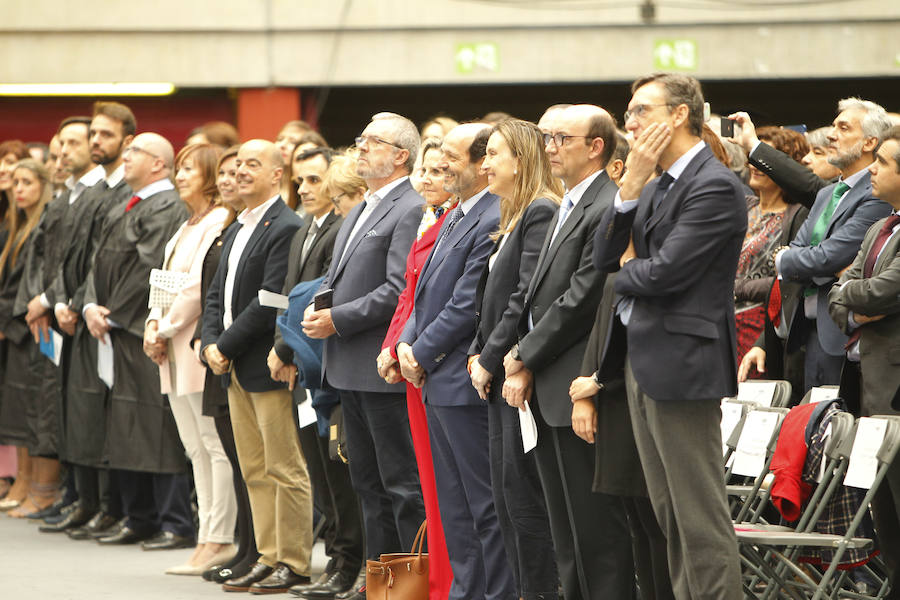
(279, 581)
(258, 572)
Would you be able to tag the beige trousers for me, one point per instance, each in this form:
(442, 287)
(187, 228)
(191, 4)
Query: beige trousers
(274, 469)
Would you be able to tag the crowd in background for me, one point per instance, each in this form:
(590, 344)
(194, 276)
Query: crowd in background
(429, 291)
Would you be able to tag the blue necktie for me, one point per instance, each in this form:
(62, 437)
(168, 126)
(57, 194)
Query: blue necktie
(564, 209)
(453, 218)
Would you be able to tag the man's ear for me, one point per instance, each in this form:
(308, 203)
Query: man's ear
(597, 146)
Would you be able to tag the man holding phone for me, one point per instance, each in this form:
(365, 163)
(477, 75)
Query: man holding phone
(366, 276)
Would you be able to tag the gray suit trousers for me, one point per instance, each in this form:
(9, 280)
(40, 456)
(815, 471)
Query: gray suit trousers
(680, 445)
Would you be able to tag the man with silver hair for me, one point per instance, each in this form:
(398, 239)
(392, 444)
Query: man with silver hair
(830, 238)
(366, 277)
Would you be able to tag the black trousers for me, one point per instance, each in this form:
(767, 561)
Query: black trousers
(651, 562)
(334, 497)
(383, 469)
(244, 524)
(96, 490)
(590, 532)
(156, 501)
(519, 502)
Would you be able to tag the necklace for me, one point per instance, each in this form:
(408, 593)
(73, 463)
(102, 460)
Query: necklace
(199, 216)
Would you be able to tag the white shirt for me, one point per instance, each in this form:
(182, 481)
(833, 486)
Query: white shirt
(116, 176)
(84, 182)
(249, 219)
(372, 199)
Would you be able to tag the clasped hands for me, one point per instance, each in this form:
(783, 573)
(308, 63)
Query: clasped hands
(519, 382)
(410, 368)
(279, 371)
(38, 320)
(155, 347)
(388, 366)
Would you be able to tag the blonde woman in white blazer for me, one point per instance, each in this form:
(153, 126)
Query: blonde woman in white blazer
(167, 341)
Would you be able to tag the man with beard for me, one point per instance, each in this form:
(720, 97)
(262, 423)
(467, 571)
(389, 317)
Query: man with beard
(830, 238)
(366, 276)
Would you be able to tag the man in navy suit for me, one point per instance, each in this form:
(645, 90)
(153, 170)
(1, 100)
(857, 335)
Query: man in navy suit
(237, 336)
(433, 350)
(675, 241)
(366, 276)
(830, 238)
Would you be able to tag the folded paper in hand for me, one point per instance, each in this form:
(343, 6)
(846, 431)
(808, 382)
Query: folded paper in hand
(272, 300)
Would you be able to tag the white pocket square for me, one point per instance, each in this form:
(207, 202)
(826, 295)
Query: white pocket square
(370, 233)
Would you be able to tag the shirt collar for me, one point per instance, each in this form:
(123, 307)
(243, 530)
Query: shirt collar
(87, 180)
(854, 179)
(681, 164)
(252, 216)
(319, 220)
(116, 176)
(579, 188)
(384, 190)
(467, 205)
(160, 185)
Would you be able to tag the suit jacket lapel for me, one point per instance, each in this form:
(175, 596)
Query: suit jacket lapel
(672, 196)
(384, 206)
(326, 225)
(888, 253)
(270, 215)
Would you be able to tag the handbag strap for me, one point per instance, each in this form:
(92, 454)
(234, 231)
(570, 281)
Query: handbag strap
(420, 538)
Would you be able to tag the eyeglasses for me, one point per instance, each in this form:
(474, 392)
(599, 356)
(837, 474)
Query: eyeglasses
(336, 199)
(134, 148)
(368, 139)
(640, 110)
(559, 138)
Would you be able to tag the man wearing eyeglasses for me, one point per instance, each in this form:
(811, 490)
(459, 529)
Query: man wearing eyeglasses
(593, 546)
(367, 275)
(675, 243)
(143, 447)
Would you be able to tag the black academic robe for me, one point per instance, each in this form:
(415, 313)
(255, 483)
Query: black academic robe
(141, 433)
(86, 395)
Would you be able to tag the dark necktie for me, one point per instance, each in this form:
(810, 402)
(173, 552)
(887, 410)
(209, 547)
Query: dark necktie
(871, 258)
(307, 243)
(453, 218)
(132, 203)
(662, 186)
(439, 211)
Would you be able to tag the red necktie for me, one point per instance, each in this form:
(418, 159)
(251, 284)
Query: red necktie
(774, 308)
(886, 230)
(132, 203)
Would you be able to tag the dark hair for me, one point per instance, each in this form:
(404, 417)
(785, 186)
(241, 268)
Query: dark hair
(118, 112)
(680, 89)
(602, 126)
(479, 144)
(86, 121)
(622, 148)
(323, 151)
(788, 141)
(312, 137)
(206, 159)
(891, 134)
(495, 117)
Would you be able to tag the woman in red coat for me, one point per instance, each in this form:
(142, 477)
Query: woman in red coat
(438, 204)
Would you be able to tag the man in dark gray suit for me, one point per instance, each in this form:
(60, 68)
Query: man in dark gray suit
(676, 242)
(366, 276)
(865, 305)
(831, 236)
(593, 547)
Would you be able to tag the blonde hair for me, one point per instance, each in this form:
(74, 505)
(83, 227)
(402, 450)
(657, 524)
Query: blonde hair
(21, 225)
(533, 180)
(341, 177)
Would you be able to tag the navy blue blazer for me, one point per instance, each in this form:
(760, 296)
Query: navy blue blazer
(818, 265)
(442, 325)
(262, 266)
(367, 284)
(681, 336)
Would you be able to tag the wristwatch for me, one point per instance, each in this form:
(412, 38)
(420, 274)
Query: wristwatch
(514, 352)
(597, 382)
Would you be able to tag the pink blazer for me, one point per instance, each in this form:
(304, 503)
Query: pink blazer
(185, 252)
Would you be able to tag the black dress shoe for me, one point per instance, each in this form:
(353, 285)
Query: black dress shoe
(279, 581)
(166, 540)
(207, 575)
(124, 536)
(337, 582)
(357, 593)
(76, 518)
(100, 522)
(63, 513)
(113, 530)
(257, 573)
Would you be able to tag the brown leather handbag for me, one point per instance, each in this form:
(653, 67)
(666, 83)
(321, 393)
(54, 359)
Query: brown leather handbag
(399, 576)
